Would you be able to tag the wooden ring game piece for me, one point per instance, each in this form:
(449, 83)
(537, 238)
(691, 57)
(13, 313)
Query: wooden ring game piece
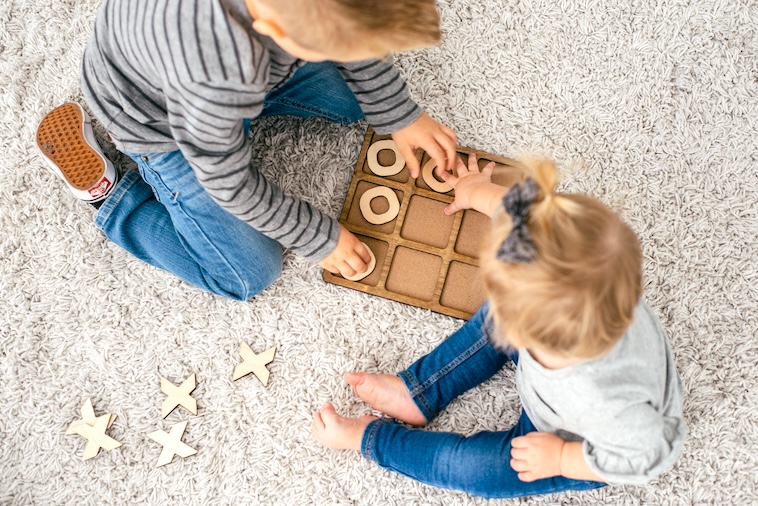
(428, 175)
(371, 266)
(373, 160)
(371, 194)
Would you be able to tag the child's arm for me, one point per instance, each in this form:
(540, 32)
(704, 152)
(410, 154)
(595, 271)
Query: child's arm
(539, 455)
(389, 108)
(474, 189)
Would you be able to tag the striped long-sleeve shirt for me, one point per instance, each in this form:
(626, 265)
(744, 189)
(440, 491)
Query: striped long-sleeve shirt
(163, 75)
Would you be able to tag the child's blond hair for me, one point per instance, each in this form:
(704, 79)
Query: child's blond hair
(578, 296)
(381, 26)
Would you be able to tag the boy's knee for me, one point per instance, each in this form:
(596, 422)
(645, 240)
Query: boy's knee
(268, 270)
(252, 281)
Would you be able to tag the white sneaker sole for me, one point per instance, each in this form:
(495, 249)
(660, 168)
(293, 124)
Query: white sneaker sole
(68, 145)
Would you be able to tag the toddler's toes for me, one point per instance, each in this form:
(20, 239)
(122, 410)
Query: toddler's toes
(328, 414)
(355, 379)
(338, 432)
(318, 423)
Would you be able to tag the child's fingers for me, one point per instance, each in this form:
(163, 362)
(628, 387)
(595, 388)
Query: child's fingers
(452, 208)
(346, 269)
(439, 156)
(355, 261)
(519, 453)
(487, 170)
(449, 132)
(527, 476)
(411, 161)
(460, 167)
(450, 178)
(363, 253)
(448, 144)
(472, 165)
(518, 465)
(520, 442)
(329, 266)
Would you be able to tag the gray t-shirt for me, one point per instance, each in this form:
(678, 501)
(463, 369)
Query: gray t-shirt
(626, 406)
(163, 75)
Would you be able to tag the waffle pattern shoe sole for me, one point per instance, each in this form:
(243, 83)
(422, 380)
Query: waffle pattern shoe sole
(68, 145)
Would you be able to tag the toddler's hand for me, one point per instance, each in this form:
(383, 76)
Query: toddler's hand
(434, 138)
(349, 257)
(466, 184)
(537, 455)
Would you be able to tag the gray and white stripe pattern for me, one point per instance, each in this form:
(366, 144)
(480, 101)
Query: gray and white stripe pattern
(163, 75)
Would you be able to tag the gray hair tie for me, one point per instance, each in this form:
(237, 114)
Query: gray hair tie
(518, 247)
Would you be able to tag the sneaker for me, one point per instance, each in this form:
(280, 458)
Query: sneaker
(66, 141)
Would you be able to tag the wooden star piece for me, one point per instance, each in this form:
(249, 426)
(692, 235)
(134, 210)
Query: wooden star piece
(253, 363)
(172, 444)
(93, 429)
(178, 396)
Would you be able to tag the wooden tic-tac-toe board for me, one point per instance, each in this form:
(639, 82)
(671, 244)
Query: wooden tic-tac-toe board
(423, 257)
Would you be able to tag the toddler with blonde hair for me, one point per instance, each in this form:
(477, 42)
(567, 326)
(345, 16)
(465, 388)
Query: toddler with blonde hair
(602, 401)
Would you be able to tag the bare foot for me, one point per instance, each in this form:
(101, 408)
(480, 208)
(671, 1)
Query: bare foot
(339, 432)
(386, 393)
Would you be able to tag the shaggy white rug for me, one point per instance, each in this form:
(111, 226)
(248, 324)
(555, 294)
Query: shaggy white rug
(651, 106)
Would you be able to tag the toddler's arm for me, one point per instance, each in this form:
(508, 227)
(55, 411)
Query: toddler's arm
(474, 189)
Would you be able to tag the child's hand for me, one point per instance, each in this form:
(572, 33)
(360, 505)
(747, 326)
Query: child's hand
(537, 455)
(349, 257)
(473, 189)
(434, 138)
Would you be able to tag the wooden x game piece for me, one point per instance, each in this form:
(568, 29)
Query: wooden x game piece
(172, 444)
(253, 363)
(95, 435)
(88, 417)
(178, 395)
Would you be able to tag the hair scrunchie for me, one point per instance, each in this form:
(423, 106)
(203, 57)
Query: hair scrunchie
(518, 246)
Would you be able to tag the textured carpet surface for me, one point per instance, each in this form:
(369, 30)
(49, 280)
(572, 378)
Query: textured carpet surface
(650, 106)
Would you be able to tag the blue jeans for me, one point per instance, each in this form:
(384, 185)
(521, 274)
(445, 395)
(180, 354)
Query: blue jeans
(164, 216)
(477, 464)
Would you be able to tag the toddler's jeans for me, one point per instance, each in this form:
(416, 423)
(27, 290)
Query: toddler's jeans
(477, 464)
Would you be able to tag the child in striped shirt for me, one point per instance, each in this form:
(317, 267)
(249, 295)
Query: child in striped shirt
(176, 82)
